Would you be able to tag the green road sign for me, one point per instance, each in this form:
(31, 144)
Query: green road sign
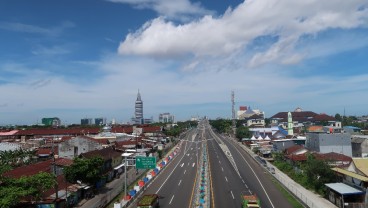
(145, 162)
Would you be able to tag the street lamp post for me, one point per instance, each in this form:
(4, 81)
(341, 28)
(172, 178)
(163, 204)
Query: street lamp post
(125, 155)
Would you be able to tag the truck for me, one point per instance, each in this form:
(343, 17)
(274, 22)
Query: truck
(250, 201)
(149, 201)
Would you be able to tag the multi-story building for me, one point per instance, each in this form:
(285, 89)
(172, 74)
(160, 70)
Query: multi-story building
(86, 121)
(166, 118)
(302, 118)
(138, 113)
(330, 140)
(55, 121)
(100, 121)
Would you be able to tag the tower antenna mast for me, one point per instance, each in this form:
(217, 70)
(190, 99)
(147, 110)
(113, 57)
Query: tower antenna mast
(233, 110)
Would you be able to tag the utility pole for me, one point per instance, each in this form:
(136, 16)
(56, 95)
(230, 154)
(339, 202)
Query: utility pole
(54, 170)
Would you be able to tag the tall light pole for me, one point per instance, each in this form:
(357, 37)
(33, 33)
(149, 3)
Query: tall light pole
(125, 155)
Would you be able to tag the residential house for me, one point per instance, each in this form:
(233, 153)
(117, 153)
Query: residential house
(111, 159)
(352, 130)
(255, 121)
(48, 197)
(73, 147)
(352, 189)
(359, 144)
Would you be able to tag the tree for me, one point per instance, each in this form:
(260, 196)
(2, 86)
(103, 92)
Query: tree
(13, 190)
(338, 117)
(221, 125)
(318, 173)
(84, 169)
(242, 132)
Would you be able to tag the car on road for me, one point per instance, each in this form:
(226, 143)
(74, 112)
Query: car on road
(271, 169)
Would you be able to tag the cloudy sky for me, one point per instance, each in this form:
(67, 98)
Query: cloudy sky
(75, 59)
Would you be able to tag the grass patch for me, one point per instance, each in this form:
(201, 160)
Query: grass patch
(294, 202)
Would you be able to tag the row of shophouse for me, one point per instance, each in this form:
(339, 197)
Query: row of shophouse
(56, 148)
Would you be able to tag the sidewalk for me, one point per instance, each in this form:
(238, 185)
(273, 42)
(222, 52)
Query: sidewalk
(110, 191)
(309, 198)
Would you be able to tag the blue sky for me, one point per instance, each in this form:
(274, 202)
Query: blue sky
(75, 59)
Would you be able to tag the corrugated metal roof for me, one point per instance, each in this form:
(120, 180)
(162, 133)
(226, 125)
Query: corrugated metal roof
(9, 133)
(361, 164)
(351, 174)
(344, 189)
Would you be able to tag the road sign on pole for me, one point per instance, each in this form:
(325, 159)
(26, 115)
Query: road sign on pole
(145, 162)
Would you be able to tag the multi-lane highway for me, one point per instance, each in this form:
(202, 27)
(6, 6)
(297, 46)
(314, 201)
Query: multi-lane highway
(251, 178)
(176, 183)
(232, 173)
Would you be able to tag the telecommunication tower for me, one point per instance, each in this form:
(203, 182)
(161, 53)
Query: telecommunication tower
(233, 110)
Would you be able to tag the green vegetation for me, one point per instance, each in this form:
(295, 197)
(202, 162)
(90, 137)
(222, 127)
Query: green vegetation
(312, 174)
(179, 128)
(350, 121)
(221, 125)
(85, 170)
(13, 190)
(294, 202)
(148, 200)
(242, 132)
(225, 126)
(15, 158)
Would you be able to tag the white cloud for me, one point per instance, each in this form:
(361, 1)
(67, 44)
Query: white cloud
(232, 32)
(27, 28)
(113, 95)
(178, 9)
(50, 51)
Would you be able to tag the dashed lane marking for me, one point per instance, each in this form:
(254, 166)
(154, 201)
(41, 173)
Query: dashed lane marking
(171, 199)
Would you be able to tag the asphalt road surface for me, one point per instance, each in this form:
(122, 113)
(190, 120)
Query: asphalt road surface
(175, 184)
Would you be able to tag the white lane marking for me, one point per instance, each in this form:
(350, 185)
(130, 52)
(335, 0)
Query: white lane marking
(171, 199)
(182, 165)
(188, 164)
(259, 181)
(193, 165)
(188, 154)
(185, 172)
(222, 169)
(170, 174)
(179, 183)
(226, 179)
(232, 194)
(219, 161)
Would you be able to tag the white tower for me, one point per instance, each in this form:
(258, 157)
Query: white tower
(290, 124)
(139, 109)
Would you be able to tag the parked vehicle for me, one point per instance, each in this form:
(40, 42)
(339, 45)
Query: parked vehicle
(250, 201)
(149, 201)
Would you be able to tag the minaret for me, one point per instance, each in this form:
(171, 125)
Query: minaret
(139, 109)
(290, 124)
